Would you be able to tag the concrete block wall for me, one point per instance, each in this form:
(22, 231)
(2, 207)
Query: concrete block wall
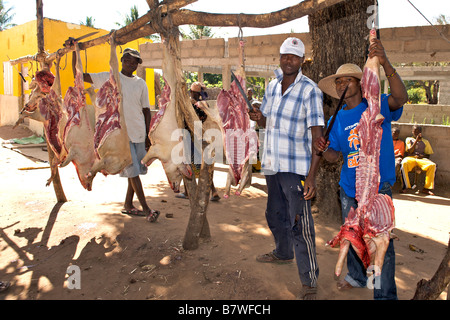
(439, 138)
(430, 112)
(416, 44)
(267, 45)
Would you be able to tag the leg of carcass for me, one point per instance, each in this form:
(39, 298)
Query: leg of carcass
(344, 247)
(228, 185)
(246, 179)
(69, 158)
(53, 171)
(96, 167)
(380, 244)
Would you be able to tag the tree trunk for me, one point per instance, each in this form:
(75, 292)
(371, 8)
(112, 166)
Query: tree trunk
(431, 289)
(198, 226)
(339, 35)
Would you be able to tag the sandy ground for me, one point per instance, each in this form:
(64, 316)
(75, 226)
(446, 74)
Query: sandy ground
(126, 258)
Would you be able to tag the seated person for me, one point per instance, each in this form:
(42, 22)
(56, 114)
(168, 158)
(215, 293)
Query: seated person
(419, 151)
(399, 149)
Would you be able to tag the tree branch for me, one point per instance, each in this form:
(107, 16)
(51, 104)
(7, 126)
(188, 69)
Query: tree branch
(148, 23)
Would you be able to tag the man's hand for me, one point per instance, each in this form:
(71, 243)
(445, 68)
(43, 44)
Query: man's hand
(69, 42)
(309, 190)
(256, 114)
(320, 144)
(376, 49)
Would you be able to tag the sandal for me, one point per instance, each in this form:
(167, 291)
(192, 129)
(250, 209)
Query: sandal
(133, 212)
(272, 258)
(308, 293)
(153, 216)
(181, 196)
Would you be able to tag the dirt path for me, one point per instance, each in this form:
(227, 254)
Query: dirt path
(122, 257)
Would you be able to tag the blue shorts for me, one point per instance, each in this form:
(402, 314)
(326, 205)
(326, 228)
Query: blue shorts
(136, 168)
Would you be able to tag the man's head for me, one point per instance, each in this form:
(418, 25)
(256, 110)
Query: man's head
(416, 130)
(292, 54)
(196, 91)
(130, 59)
(348, 74)
(395, 133)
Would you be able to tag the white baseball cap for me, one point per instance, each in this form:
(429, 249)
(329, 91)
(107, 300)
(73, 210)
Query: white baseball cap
(293, 46)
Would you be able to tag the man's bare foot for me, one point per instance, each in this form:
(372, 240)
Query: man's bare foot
(343, 285)
(427, 191)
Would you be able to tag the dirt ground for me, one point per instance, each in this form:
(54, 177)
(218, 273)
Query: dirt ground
(126, 258)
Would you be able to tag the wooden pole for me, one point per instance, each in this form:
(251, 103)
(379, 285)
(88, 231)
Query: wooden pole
(57, 186)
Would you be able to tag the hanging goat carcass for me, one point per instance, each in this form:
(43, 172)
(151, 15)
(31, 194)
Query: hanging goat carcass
(240, 140)
(111, 142)
(78, 135)
(165, 130)
(368, 228)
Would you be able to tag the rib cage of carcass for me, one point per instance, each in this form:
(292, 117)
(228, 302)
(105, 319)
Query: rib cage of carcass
(111, 142)
(240, 140)
(368, 228)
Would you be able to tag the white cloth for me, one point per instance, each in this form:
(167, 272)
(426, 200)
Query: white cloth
(135, 98)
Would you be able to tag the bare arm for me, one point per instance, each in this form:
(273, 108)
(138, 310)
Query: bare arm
(147, 117)
(310, 182)
(399, 95)
(86, 76)
(329, 154)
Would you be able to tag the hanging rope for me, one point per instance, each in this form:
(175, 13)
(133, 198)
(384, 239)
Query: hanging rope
(438, 31)
(241, 43)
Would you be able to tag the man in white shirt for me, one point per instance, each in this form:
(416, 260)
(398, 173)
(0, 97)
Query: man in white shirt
(137, 118)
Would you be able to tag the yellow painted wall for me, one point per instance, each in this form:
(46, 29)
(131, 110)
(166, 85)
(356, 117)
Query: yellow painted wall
(21, 41)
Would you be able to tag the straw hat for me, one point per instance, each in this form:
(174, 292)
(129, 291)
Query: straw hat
(327, 84)
(197, 86)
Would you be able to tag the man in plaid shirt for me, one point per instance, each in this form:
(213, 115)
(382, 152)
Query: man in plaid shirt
(292, 114)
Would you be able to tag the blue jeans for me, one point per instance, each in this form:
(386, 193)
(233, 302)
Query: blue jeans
(356, 276)
(289, 218)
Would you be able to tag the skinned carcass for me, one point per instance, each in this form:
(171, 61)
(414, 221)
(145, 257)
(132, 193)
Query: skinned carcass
(111, 142)
(45, 105)
(54, 119)
(78, 135)
(40, 86)
(240, 141)
(50, 107)
(368, 228)
(164, 124)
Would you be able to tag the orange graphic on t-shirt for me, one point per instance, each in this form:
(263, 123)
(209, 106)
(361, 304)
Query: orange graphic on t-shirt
(353, 160)
(353, 157)
(353, 139)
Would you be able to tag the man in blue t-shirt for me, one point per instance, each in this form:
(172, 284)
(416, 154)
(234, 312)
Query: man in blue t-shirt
(344, 139)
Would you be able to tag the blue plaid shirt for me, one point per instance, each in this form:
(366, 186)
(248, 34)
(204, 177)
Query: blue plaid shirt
(289, 117)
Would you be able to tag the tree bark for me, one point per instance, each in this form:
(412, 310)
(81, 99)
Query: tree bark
(339, 35)
(431, 289)
(198, 226)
